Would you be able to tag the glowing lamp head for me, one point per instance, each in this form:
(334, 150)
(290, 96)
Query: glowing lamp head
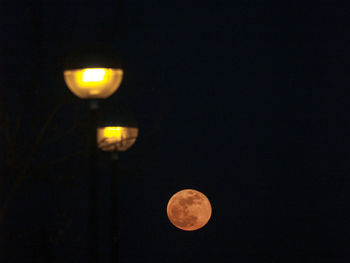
(93, 73)
(93, 83)
(116, 138)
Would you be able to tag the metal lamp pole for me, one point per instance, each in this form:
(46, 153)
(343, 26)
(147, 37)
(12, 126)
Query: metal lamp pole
(93, 181)
(114, 202)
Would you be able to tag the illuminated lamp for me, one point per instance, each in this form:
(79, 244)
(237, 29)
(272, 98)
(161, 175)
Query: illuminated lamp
(93, 72)
(117, 135)
(116, 138)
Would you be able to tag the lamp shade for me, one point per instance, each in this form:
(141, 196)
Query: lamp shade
(93, 72)
(116, 138)
(93, 83)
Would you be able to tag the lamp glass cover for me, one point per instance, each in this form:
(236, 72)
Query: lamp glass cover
(114, 138)
(93, 83)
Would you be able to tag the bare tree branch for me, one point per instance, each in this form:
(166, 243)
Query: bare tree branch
(39, 137)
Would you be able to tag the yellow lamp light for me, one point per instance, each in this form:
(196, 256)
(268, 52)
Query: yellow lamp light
(116, 138)
(93, 83)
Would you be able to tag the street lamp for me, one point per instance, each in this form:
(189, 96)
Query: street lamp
(93, 72)
(114, 137)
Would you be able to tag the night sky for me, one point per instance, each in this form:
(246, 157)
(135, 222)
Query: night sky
(245, 101)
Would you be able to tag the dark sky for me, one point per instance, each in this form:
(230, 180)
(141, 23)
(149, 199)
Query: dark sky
(245, 101)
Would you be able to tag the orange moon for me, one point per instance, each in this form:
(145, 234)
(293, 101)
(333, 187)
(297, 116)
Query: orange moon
(189, 210)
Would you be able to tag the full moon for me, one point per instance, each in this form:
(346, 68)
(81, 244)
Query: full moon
(189, 210)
